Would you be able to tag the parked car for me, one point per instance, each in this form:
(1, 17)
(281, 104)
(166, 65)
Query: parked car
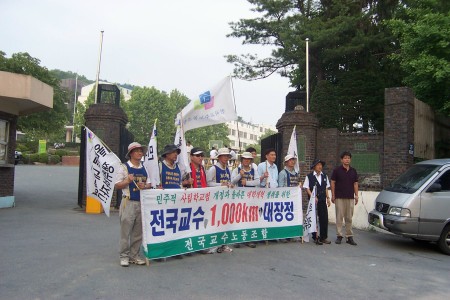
(417, 204)
(17, 157)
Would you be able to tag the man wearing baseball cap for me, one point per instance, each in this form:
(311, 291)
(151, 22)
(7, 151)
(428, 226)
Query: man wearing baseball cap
(131, 179)
(219, 175)
(288, 177)
(198, 173)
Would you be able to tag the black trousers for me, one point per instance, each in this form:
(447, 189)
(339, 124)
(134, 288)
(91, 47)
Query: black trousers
(322, 213)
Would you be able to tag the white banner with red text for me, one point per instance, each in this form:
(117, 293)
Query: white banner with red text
(177, 221)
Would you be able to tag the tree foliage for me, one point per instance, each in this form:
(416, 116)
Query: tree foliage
(423, 30)
(348, 44)
(44, 125)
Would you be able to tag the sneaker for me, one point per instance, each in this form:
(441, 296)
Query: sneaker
(351, 241)
(338, 240)
(209, 251)
(325, 241)
(224, 248)
(251, 245)
(124, 262)
(137, 261)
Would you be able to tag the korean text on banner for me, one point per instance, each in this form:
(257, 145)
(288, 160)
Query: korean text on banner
(181, 221)
(310, 224)
(151, 159)
(214, 106)
(102, 166)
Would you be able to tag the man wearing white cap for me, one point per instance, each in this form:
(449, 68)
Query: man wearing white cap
(245, 174)
(219, 175)
(131, 179)
(288, 177)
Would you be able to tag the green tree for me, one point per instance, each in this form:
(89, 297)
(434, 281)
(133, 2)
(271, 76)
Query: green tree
(44, 125)
(147, 104)
(200, 137)
(348, 41)
(423, 29)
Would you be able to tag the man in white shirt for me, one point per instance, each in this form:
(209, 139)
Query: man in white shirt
(268, 170)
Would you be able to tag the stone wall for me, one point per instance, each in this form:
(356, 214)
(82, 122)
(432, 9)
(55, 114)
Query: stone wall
(7, 170)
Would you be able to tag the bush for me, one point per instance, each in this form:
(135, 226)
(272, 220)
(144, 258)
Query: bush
(54, 159)
(61, 152)
(43, 158)
(34, 157)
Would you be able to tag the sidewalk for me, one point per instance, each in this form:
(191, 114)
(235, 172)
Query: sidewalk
(51, 249)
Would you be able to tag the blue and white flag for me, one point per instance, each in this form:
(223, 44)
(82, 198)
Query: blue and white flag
(213, 106)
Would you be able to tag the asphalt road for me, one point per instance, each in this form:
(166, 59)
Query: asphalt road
(51, 249)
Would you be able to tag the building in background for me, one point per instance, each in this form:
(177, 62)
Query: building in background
(249, 134)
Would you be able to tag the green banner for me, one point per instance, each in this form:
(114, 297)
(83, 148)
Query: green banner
(42, 146)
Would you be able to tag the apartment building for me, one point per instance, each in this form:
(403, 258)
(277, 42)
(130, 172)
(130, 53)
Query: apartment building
(248, 133)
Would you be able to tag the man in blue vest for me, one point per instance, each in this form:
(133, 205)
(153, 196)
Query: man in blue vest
(131, 179)
(171, 177)
(219, 175)
(320, 180)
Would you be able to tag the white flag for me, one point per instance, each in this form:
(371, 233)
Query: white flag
(102, 166)
(292, 150)
(180, 142)
(151, 159)
(309, 225)
(214, 106)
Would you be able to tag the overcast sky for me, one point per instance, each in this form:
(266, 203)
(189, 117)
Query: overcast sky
(176, 44)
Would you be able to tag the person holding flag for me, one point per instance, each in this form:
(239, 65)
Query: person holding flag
(289, 176)
(319, 180)
(171, 176)
(268, 170)
(131, 179)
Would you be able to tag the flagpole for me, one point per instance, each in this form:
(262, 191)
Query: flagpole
(235, 110)
(307, 74)
(98, 67)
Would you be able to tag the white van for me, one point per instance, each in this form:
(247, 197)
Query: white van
(417, 204)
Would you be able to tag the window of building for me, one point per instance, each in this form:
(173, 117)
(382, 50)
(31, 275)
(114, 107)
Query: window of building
(4, 136)
(230, 132)
(233, 132)
(245, 135)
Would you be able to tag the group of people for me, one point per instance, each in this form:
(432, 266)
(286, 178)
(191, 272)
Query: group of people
(133, 178)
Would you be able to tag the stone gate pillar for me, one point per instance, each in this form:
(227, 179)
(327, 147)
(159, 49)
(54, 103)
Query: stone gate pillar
(107, 121)
(398, 153)
(307, 126)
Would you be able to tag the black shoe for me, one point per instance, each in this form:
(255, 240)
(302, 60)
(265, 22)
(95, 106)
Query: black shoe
(351, 241)
(318, 242)
(251, 245)
(178, 256)
(338, 240)
(237, 246)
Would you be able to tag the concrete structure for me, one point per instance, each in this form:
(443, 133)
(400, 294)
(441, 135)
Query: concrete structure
(248, 133)
(20, 95)
(86, 90)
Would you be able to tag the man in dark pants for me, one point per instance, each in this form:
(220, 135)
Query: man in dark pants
(344, 193)
(320, 180)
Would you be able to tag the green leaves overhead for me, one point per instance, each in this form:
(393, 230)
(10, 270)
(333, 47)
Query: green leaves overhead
(350, 51)
(48, 124)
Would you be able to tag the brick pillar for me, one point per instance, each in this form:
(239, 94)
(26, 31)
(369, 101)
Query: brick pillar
(7, 170)
(307, 126)
(398, 132)
(107, 121)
